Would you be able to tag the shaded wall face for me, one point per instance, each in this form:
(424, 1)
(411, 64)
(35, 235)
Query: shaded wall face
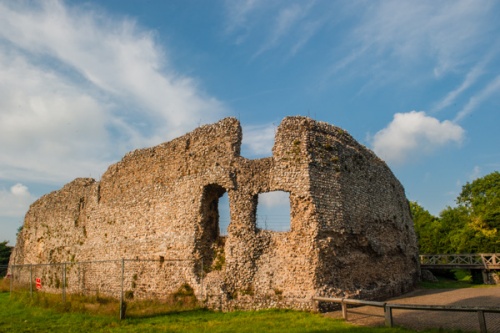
(366, 239)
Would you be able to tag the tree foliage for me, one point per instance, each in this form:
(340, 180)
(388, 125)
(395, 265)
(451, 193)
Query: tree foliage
(5, 252)
(481, 198)
(470, 227)
(427, 228)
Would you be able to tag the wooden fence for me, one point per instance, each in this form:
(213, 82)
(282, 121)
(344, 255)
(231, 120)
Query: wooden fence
(487, 261)
(388, 307)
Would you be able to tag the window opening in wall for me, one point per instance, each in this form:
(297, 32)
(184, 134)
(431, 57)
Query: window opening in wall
(224, 216)
(211, 236)
(211, 209)
(273, 211)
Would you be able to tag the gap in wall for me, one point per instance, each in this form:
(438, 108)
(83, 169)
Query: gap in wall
(224, 214)
(273, 211)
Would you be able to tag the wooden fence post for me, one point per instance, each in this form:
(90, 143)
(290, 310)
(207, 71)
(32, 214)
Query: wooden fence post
(388, 315)
(64, 283)
(344, 309)
(122, 303)
(11, 280)
(482, 322)
(31, 280)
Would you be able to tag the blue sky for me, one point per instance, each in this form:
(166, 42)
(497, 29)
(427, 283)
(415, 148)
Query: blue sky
(84, 82)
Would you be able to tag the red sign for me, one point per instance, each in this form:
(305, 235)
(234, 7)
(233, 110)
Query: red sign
(38, 283)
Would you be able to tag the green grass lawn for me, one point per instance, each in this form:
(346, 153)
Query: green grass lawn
(17, 316)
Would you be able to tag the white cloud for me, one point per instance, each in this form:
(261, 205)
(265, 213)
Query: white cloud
(15, 201)
(48, 128)
(80, 88)
(413, 133)
(115, 56)
(258, 140)
(19, 190)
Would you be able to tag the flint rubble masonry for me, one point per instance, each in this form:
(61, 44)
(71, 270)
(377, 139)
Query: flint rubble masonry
(351, 233)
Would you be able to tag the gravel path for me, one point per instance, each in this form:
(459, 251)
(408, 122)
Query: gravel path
(465, 321)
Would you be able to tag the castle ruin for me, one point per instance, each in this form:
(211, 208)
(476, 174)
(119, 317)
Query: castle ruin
(350, 234)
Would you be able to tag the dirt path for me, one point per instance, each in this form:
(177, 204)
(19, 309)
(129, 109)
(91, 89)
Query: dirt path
(465, 321)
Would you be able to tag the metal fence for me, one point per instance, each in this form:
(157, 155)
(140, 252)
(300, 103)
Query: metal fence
(125, 280)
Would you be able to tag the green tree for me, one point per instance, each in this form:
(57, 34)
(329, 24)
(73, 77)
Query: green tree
(427, 228)
(5, 252)
(480, 202)
(454, 238)
(481, 198)
(473, 226)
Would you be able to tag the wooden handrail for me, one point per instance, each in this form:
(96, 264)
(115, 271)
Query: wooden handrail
(388, 307)
(480, 260)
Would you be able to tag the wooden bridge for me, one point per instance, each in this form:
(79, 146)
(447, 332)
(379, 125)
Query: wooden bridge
(483, 261)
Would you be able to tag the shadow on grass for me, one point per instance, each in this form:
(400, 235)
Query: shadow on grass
(157, 308)
(453, 279)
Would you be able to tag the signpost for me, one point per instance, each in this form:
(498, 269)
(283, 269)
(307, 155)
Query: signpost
(38, 283)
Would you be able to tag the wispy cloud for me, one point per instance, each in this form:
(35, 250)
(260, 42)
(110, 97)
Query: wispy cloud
(380, 40)
(273, 24)
(438, 35)
(309, 29)
(412, 134)
(468, 81)
(80, 88)
(238, 12)
(476, 100)
(285, 20)
(475, 173)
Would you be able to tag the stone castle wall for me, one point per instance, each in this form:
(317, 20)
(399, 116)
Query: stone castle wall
(350, 233)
